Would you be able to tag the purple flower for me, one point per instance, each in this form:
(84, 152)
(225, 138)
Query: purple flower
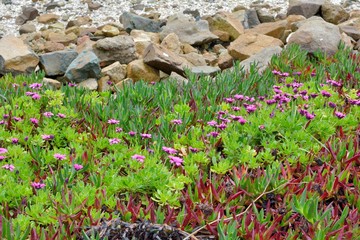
(72, 84)
(242, 121)
(15, 140)
(194, 150)
(9, 167)
(29, 93)
(309, 116)
(34, 121)
(221, 126)
(214, 134)
(229, 100)
(234, 108)
(270, 101)
(339, 114)
(47, 137)
(3, 150)
(132, 133)
(285, 74)
(138, 157)
(261, 127)
(169, 150)
(176, 121)
(332, 105)
(35, 85)
(17, 119)
(212, 123)
(118, 129)
(176, 160)
(275, 72)
(60, 115)
(334, 83)
(145, 135)
(313, 95)
(251, 108)
(5, 116)
(2, 157)
(78, 167)
(37, 185)
(239, 97)
(296, 73)
(113, 141)
(113, 121)
(59, 156)
(48, 114)
(36, 96)
(325, 93)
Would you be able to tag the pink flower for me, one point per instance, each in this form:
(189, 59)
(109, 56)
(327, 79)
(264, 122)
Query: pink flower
(37, 185)
(2, 157)
(36, 96)
(138, 157)
(176, 121)
(3, 150)
(15, 140)
(113, 121)
(59, 156)
(234, 108)
(48, 114)
(47, 137)
(251, 108)
(9, 167)
(145, 135)
(118, 129)
(194, 150)
(239, 97)
(340, 115)
(35, 85)
(132, 133)
(60, 115)
(29, 93)
(78, 167)
(214, 134)
(113, 141)
(176, 160)
(169, 150)
(72, 84)
(17, 119)
(229, 100)
(212, 123)
(325, 93)
(34, 121)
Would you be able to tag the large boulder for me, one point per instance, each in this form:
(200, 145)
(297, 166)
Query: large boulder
(189, 31)
(351, 28)
(143, 39)
(138, 70)
(56, 63)
(316, 34)
(307, 8)
(261, 59)
(132, 21)
(16, 57)
(226, 22)
(334, 13)
(84, 66)
(112, 49)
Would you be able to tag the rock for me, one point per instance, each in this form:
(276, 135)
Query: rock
(164, 60)
(143, 39)
(116, 72)
(51, 5)
(189, 31)
(56, 63)
(180, 80)
(218, 48)
(333, 13)
(194, 58)
(28, 14)
(225, 60)
(226, 22)
(132, 21)
(251, 43)
(266, 15)
(187, 48)
(348, 41)
(104, 84)
(110, 31)
(210, 58)
(272, 29)
(15, 56)
(48, 18)
(195, 13)
(172, 43)
(137, 70)
(205, 70)
(84, 43)
(120, 85)
(120, 48)
(53, 46)
(292, 21)
(54, 84)
(90, 84)
(350, 31)
(252, 19)
(79, 21)
(307, 8)
(316, 34)
(84, 66)
(93, 6)
(222, 35)
(61, 37)
(27, 28)
(261, 58)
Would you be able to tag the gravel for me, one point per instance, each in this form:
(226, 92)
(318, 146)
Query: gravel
(112, 9)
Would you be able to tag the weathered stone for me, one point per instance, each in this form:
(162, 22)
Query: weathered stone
(79, 21)
(15, 56)
(266, 15)
(164, 60)
(120, 48)
(132, 21)
(61, 37)
(115, 71)
(351, 31)
(172, 43)
(137, 70)
(104, 84)
(333, 13)
(222, 35)
(189, 31)
(27, 28)
(57, 26)
(316, 34)
(251, 43)
(143, 39)
(187, 48)
(55, 84)
(218, 48)
(348, 41)
(292, 20)
(195, 59)
(90, 84)
(28, 14)
(272, 29)
(84, 66)
(93, 6)
(307, 8)
(205, 70)
(261, 59)
(225, 60)
(56, 63)
(226, 22)
(53, 46)
(210, 58)
(84, 43)
(48, 18)
(120, 85)
(110, 31)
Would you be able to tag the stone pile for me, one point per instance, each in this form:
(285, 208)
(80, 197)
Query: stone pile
(138, 47)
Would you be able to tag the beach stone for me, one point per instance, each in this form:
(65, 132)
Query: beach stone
(116, 72)
(84, 66)
(55, 84)
(137, 70)
(195, 59)
(104, 84)
(334, 13)
(272, 29)
(48, 18)
(307, 8)
(249, 44)
(27, 28)
(120, 48)
(180, 80)
(61, 37)
(266, 15)
(51, 5)
(172, 43)
(226, 22)
(50, 46)
(261, 58)
(79, 21)
(90, 84)
(187, 48)
(351, 31)
(93, 5)
(132, 21)
(16, 57)
(188, 31)
(161, 58)
(110, 31)
(316, 34)
(56, 63)
(205, 70)
(292, 21)
(210, 58)
(143, 39)
(120, 85)
(225, 60)
(28, 14)
(348, 41)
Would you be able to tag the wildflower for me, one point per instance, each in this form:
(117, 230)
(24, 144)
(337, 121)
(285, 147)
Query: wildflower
(113, 121)
(34, 121)
(132, 133)
(242, 121)
(221, 126)
(37, 185)
(285, 74)
(194, 150)
(234, 108)
(72, 84)
(239, 97)
(17, 119)
(339, 114)
(36, 96)
(229, 100)
(2, 122)
(270, 101)
(113, 141)
(261, 98)
(306, 97)
(138, 157)
(176, 121)
(118, 129)
(275, 72)
(29, 93)
(2, 157)
(15, 140)
(176, 160)
(5, 116)
(150, 151)
(250, 108)
(303, 92)
(212, 123)
(60, 115)
(169, 150)
(9, 167)
(35, 85)
(261, 127)
(145, 135)
(334, 83)
(78, 167)
(47, 137)
(309, 116)
(3, 150)
(332, 105)
(109, 83)
(296, 73)
(59, 156)
(325, 93)
(214, 134)
(48, 114)
(221, 113)
(313, 95)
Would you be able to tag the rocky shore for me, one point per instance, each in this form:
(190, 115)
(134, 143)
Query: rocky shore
(143, 44)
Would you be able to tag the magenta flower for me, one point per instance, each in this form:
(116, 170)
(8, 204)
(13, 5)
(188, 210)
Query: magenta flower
(132, 133)
(214, 134)
(332, 105)
(212, 123)
(325, 93)
(34, 121)
(229, 100)
(242, 121)
(9, 167)
(145, 135)
(270, 101)
(3, 150)
(138, 157)
(2, 157)
(251, 108)
(113, 141)
(176, 121)
(169, 150)
(221, 126)
(48, 114)
(36, 96)
(17, 119)
(6, 116)
(37, 185)
(194, 150)
(118, 129)
(334, 83)
(15, 140)
(72, 84)
(78, 167)
(340, 115)
(176, 160)
(239, 97)
(35, 85)
(60, 115)
(29, 93)
(309, 116)
(113, 121)
(47, 137)
(261, 127)
(59, 156)
(234, 108)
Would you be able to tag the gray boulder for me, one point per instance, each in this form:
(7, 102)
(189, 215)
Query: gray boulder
(307, 8)
(56, 63)
(132, 21)
(261, 59)
(84, 66)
